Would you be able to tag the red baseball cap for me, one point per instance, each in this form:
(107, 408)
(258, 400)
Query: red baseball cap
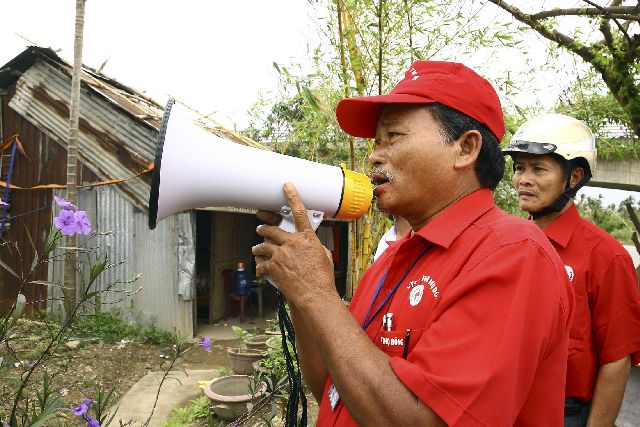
(449, 83)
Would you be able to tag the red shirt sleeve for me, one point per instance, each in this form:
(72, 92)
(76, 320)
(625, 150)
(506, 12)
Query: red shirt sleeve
(615, 306)
(497, 341)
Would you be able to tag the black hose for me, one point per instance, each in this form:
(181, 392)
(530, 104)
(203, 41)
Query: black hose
(296, 389)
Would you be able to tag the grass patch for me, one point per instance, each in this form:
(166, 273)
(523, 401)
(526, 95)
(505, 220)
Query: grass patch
(198, 412)
(110, 328)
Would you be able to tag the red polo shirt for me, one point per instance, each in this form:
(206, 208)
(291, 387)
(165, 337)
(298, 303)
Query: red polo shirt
(488, 307)
(606, 324)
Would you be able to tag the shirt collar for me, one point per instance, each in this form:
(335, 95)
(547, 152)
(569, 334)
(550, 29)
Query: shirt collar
(561, 229)
(446, 226)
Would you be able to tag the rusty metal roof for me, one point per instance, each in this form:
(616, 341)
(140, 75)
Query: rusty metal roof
(114, 142)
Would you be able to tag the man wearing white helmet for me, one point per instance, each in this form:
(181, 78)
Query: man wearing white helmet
(553, 156)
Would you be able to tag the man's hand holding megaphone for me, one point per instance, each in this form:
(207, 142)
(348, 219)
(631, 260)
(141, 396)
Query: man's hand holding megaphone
(296, 261)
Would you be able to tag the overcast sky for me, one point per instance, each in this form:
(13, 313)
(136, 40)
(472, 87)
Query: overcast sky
(214, 55)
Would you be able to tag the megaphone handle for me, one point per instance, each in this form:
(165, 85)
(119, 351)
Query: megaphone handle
(287, 224)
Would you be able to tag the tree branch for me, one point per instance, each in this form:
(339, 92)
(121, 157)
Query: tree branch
(605, 22)
(583, 51)
(622, 12)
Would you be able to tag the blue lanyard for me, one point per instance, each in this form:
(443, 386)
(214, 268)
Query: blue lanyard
(367, 320)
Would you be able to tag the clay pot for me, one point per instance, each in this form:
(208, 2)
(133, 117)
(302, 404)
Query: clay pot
(241, 359)
(230, 396)
(257, 342)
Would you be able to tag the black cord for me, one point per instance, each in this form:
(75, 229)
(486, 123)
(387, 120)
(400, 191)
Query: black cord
(296, 389)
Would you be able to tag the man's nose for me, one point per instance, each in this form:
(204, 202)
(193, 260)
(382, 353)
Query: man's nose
(376, 156)
(524, 178)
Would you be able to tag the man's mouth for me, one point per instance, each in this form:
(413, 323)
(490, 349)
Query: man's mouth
(378, 180)
(379, 176)
(526, 193)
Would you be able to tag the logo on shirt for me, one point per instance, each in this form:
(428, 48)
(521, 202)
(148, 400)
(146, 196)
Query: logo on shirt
(569, 272)
(417, 289)
(415, 296)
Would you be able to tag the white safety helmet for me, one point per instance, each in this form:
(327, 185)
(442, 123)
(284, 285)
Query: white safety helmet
(558, 134)
(563, 136)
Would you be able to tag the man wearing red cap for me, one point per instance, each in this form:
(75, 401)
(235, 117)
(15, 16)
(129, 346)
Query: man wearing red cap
(465, 320)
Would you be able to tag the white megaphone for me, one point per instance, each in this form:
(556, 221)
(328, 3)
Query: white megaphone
(195, 168)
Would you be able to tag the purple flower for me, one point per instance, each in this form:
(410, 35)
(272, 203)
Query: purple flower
(66, 222)
(71, 222)
(64, 204)
(206, 343)
(80, 409)
(92, 422)
(83, 407)
(82, 222)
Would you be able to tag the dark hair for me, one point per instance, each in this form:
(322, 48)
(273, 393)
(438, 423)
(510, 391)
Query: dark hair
(453, 123)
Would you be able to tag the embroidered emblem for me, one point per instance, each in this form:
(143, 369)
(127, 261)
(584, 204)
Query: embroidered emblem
(414, 73)
(569, 272)
(416, 295)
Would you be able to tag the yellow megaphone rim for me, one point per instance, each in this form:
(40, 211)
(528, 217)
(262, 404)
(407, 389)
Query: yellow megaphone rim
(357, 194)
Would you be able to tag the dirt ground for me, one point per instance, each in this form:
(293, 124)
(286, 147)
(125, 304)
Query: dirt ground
(77, 372)
(113, 365)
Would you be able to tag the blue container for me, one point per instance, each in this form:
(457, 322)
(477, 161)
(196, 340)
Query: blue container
(241, 282)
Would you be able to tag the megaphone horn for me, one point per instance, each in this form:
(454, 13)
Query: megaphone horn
(195, 168)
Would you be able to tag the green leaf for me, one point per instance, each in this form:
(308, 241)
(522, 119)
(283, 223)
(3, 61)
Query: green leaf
(47, 283)
(50, 410)
(21, 302)
(6, 267)
(35, 262)
(33, 245)
(52, 240)
(91, 295)
(97, 268)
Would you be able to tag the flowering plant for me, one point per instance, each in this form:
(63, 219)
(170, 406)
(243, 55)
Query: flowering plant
(29, 404)
(70, 220)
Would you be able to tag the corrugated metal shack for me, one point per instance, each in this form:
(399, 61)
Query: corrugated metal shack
(118, 132)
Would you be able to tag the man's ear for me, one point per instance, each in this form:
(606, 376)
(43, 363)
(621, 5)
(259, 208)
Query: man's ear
(468, 149)
(576, 175)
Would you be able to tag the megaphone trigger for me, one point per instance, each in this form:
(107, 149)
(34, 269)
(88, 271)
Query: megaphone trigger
(288, 224)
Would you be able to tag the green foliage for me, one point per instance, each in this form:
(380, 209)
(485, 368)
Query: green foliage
(612, 219)
(378, 42)
(37, 412)
(242, 333)
(224, 371)
(110, 328)
(103, 399)
(198, 409)
(589, 100)
(613, 55)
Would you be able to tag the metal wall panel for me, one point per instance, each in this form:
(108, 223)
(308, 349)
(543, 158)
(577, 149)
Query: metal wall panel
(157, 262)
(114, 217)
